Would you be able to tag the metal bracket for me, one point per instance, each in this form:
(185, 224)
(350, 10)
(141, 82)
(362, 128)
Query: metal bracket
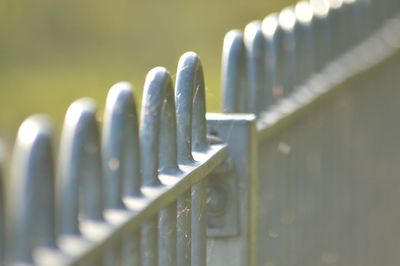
(222, 205)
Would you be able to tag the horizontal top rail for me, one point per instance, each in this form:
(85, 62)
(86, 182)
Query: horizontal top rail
(140, 208)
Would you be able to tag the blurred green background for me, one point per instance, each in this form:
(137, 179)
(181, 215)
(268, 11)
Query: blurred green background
(53, 52)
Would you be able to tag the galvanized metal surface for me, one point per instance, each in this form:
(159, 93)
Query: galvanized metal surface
(331, 178)
(116, 195)
(305, 140)
(239, 132)
(306, 177)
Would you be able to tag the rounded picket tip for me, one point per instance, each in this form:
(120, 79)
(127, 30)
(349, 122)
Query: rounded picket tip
(233, 37)
(32, 188)
(187, 59)
(120, 145)
(32, 128)
(270, 25)
(80, 169)
(233, 43)
(190, 105)
(287, 19)
(253, 39)
(303, 12)
(233, 71)
(156, 74)
(121, 89)
(252, 30)
(79, 108)
(255, 45)
(335, 4)
(320, 8)
(158, 118)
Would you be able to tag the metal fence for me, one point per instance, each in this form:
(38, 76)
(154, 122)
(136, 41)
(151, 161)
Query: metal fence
(287, 175)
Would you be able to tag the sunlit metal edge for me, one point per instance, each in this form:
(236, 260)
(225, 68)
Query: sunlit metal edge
(368, 54)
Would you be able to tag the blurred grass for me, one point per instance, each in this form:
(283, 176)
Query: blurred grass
(53, 52)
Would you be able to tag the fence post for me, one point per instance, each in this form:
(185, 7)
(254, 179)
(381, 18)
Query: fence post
(239, 132)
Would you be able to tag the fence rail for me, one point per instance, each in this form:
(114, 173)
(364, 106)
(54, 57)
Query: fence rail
(177, 187)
